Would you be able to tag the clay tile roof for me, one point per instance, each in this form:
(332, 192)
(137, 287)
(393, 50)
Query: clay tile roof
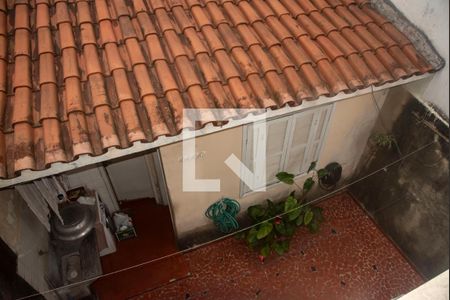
(78, 77)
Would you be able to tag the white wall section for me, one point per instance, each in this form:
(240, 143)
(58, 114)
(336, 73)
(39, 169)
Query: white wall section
(432, 17)
(96, 179)
(130, 178)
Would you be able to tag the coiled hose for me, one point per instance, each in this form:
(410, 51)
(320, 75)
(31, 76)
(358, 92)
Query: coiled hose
(223, 214)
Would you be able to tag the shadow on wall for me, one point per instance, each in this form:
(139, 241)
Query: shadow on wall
(410, 199)
(23, 233)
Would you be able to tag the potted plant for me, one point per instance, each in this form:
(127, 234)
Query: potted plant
(276, 223)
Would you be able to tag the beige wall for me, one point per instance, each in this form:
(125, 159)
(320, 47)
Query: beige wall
(188, 208)
(351, 123)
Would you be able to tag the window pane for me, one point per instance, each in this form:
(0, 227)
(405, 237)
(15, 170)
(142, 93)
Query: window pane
(295, 160)
(249, 149)
(303, 123)
(273, 165)
(276, 131)
(313, 155)
(321, 124)
(293, 142)
(315, 151)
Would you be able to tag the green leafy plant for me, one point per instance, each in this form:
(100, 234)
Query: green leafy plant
(276, 223)
(383, 140)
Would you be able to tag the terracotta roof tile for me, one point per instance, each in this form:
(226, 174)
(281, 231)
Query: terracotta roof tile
(346, 14)
(322, 22)
(49, 101)
(22, 72)
(307, 6)
(22, 42)
(334, 3)
(3, 47)
(47, 72)
(377, 68)
(70, 63)
(53, 148)
(79, 77)
(335, 19)
(416, 59)
(379, 19)
(23, 145)
(321, 4)
(312, 28)
(294, 9)
(361, 15)
(277, 7)
(21, 17)
(393, 66)
(22, 106)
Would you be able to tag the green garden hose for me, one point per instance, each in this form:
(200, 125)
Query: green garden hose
(223, 213)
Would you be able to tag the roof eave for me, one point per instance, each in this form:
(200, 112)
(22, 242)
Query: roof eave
(139, 147)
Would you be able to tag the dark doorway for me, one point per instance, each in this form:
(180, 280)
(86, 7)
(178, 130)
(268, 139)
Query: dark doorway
(12, 286)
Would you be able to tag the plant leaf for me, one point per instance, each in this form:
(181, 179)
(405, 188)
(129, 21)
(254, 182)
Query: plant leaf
(264, 230)
(309, 215)
(322, 173)
(312, 166)
(318, 216)
(285, 244)
(251, 236)
(290, 204)
(299, 220)
(290, 229)
(281, 228)
(279, 207)
(313, 226)
(278, 247)
(317, 219)
(256, 212)
(308, 184)
(285, 177)
(294, 214)
(265, 250)
(271, 208)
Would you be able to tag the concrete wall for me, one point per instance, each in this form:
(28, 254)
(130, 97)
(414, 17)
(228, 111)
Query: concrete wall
(410, 200)
(432, 17)
(349, 128)
(26, 236)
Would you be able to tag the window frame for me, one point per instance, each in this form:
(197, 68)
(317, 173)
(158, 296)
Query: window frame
(317, 112)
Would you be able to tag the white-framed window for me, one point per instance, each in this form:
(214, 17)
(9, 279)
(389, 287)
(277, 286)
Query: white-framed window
(292, 143)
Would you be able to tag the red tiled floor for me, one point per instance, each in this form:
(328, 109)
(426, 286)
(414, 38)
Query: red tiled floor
(155, 236)
(155, 239)
(349, 258)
